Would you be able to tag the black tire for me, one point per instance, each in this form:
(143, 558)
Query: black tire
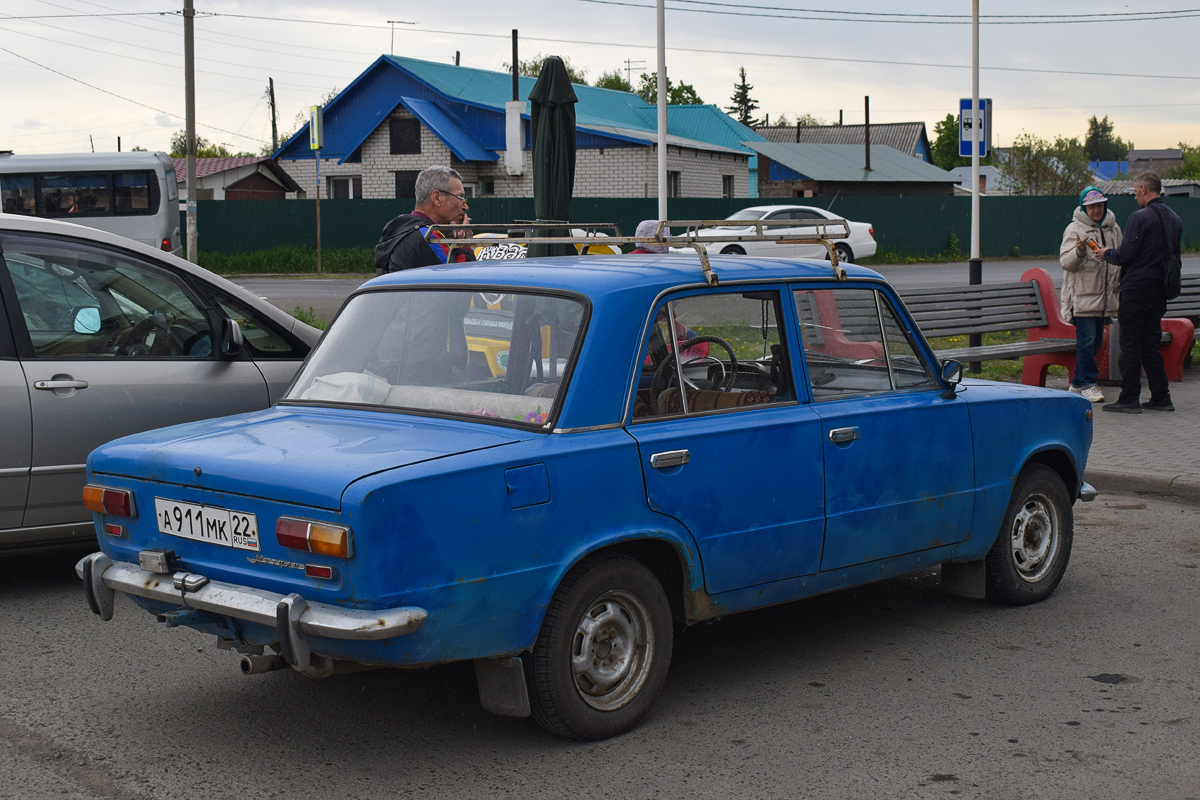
(626, 606)
(733, 250)
(1033, 546)
(844, 253)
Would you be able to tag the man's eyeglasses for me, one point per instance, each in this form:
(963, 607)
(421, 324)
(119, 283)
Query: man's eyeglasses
(462, 198)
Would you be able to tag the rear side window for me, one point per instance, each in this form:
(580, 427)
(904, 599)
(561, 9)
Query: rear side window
(854, 344)
(17, 195)
(82, 194)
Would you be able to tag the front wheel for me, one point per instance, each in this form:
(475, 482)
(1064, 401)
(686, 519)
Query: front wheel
(1031, 551)
(733, 250)
(602, 654)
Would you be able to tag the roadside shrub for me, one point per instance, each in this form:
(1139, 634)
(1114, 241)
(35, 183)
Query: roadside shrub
(291, 260)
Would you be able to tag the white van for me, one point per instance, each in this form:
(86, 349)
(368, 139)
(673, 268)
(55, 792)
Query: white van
(130, 194)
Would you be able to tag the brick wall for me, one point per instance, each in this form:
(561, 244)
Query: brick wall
(606, 172)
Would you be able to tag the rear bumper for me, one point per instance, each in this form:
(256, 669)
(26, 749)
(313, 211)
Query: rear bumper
(290, 614)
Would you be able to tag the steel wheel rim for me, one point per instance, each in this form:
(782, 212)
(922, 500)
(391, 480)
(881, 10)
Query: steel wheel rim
(612, 650)
(1033, 539)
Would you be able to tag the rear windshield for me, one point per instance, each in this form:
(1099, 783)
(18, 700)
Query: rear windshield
(492, 355)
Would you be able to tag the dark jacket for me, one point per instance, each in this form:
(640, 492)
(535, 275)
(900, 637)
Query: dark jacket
(1141, 255)
(403, 245)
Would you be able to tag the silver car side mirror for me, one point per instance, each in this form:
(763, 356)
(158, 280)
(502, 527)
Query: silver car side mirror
(232, 340)
(87, 320)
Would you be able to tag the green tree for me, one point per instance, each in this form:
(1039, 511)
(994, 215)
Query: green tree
(1102, 145)
(1034, 166)
(204, 148)
(137, 148)
(945, 144)
(1190, 168)
(615, 80)
(532, 67)
(808, 120)
(682, 94)
(743, 105)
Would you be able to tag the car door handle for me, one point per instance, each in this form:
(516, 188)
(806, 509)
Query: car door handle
(843, 435)
(671, 458)
(52, 385)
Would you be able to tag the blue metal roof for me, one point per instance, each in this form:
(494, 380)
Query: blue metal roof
(464, 107)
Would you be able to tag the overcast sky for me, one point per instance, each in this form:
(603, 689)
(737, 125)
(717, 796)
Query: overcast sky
(801, 56)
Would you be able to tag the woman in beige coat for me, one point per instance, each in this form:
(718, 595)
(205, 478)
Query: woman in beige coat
(1089, 291)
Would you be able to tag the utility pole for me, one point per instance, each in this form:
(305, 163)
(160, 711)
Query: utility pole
(189, 84)
(274, 115)
(629, 66)
(975, 264)
(662, 110)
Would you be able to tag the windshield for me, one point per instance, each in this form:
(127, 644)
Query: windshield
(745, 213)
(456, 352)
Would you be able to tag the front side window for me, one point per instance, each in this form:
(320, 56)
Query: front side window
(854, 344)
(261, 338)
(82, 301)
(725, 350)
(497, 356)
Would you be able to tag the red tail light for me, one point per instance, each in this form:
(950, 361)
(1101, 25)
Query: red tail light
(166, 245)
(117, 502)
(313, 537)
(871, 232)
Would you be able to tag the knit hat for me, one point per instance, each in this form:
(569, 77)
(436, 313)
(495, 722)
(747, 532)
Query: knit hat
(1090, 196)
(646, 229)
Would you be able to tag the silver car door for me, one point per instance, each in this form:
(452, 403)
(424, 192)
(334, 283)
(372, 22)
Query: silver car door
(808, 250)
(111, 344)
(15, 429)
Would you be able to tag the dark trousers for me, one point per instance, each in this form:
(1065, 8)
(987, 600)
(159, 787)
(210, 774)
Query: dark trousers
(1140, 317)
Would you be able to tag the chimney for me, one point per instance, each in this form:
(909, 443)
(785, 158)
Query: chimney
(514, 158)
(797, 131)
(867, 128)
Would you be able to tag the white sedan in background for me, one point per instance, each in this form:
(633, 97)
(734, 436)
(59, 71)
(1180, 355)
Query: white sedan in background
(861, 243)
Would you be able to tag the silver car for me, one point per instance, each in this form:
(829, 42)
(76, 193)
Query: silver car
(101, 337)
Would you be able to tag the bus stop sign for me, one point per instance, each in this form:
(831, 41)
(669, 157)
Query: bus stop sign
(967, 127)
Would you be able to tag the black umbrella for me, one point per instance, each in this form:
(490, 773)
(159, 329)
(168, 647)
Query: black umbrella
(552, 119)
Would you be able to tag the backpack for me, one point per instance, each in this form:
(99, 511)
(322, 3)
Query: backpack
(1172, 263)
(388, 245)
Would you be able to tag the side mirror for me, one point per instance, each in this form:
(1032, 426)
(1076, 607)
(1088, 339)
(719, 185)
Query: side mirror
(952, 373)
(231, 338)
(87, 320)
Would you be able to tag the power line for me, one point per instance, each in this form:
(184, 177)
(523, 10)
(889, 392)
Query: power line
(883, 17)
(966, 17)
(114, 14)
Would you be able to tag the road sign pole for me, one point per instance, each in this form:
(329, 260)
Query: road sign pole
(975, 265)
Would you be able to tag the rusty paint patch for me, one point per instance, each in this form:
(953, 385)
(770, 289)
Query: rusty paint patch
(701, 607)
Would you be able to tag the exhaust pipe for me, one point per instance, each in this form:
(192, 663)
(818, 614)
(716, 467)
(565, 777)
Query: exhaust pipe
(257, 665)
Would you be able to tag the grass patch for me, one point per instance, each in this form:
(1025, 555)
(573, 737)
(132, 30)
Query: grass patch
(292, 260)
(309, 316)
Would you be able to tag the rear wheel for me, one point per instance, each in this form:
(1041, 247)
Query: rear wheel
(733, 250)
(602, 654)
(844, 253)
(1031, 551)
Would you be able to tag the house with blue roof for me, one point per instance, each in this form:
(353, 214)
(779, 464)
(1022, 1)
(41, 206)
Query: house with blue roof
(402, 115)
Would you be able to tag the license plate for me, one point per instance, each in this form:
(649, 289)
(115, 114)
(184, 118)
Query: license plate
(207, 524)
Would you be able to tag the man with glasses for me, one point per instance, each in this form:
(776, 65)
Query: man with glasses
(1142, 258)
(406, 241)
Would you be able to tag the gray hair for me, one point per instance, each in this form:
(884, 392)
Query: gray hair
(1150, 180)
(433, 179)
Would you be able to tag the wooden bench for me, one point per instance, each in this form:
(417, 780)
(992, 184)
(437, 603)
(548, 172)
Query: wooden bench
(1187, 305)
(1030, 305)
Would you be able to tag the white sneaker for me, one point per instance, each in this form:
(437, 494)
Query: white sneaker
(1073, 389)
(1093, 394)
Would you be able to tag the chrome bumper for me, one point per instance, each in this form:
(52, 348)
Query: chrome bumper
(295, 618)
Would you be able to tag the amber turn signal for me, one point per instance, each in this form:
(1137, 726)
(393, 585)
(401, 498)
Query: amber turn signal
(314, 537)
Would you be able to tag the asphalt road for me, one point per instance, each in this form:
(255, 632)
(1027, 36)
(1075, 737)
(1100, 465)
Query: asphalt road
(325, 295)
(889, 691)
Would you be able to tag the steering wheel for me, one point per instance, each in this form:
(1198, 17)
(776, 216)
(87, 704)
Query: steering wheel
(657, 385)
(132, 341)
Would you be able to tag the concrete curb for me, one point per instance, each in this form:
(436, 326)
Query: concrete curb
(1178, 488)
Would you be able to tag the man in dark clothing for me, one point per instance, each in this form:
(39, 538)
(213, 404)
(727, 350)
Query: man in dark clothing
(440, 201)
(1143, 297)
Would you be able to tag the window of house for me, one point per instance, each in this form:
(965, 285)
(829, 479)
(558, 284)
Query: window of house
(726, 186)
(488, 187)
(674, 183)
(347, 188)
(406, 183)
(404, 136)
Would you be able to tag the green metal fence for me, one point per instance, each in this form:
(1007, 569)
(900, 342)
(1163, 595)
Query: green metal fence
(916, 226)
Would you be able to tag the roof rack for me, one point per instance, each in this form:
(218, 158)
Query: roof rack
(549, 232)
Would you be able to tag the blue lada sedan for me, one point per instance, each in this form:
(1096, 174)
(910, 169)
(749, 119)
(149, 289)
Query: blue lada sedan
(543, 466)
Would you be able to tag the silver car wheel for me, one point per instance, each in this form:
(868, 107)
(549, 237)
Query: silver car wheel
(612, 650)
(1033, 538)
